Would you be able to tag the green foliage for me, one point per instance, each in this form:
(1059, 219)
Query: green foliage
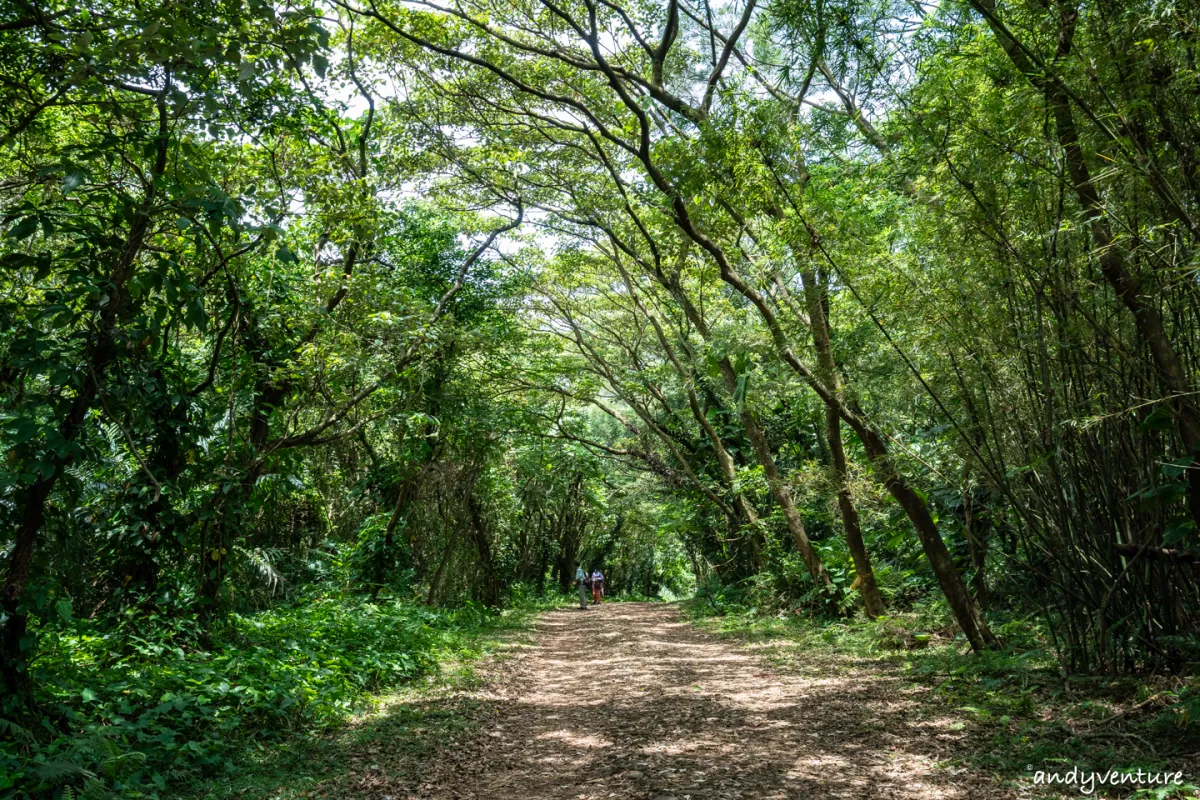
(154, 709)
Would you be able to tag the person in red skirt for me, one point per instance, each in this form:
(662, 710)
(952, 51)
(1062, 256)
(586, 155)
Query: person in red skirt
(597, 586)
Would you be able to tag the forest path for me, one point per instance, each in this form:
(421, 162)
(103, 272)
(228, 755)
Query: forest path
(627, 700)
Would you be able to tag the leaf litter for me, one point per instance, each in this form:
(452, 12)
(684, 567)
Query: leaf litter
(628, 700)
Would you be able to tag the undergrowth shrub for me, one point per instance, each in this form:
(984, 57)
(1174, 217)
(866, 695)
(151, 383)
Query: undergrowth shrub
(151, 708)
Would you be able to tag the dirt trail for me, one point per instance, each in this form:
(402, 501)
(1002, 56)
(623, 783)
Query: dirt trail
(629, 701)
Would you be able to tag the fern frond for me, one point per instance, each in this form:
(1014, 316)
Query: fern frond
(14, 731)
(114, 765)
(60, 771)
(94, 789)
(260, 562)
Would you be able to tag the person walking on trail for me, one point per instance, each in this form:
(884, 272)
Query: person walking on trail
(581, 580)
(597, 586)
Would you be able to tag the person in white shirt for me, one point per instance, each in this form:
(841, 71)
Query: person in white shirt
(597, 586)
(581, 580)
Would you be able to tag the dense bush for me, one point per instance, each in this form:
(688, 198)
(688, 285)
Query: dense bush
(152, 708)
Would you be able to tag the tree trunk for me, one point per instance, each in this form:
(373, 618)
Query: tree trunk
(815, 298)
(167, 461)
(570, 535)
(489, 589)
(965, 610)
(976, 526)
(544, 564)
(14, 675)
(776, 483)
(872, 600)
(436, 581)
(386, 563)
(101, 352)
(779, 491)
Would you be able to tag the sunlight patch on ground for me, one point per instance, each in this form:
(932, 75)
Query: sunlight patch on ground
(575, 738)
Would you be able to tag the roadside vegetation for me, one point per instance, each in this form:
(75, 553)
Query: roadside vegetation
(1021, 710)
(153, 709)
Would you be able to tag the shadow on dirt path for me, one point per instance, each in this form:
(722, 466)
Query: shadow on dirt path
(629, 701)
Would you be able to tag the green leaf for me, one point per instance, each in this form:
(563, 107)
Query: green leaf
(195, 313)
(1174, 534)
(73, 180)
(63, 607)
(1159, 420)
(23, 229)
(1173, 469)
